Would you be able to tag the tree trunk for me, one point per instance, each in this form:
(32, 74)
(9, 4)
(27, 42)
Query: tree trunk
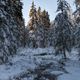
(64, 53)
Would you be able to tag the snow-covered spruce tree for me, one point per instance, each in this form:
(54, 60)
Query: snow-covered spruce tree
(42, 29)
(11, 22)
(32, 26)
(35, 28)
(33, 17)
(38, 27)
(63, 28)
(39, 33)
(46, 23)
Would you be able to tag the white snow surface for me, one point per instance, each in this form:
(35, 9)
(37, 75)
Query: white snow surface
(73, 67)
(26, 59)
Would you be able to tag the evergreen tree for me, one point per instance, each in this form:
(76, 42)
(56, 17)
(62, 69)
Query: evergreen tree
(10, 27)
(39, 15)
(33, 25)
(63, 28)
(45, 19)
(46, 25)
(33, 17)
(39, 11)
(39, 26)
(32, 10)
(63, 6)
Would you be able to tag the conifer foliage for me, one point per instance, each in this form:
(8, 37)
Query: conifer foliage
(33, 16)
(11, 27)
(38, 26)
(62, 28)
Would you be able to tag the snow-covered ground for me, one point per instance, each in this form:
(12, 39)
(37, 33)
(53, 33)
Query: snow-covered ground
(73, 67)
(29, 64)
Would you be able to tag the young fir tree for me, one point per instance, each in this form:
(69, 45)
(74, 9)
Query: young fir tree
(62, 28)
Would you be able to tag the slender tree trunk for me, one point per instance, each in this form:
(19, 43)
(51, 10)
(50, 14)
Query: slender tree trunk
(64, 53)
(24, 36)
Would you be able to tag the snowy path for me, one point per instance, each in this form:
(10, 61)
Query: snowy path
(39, 64)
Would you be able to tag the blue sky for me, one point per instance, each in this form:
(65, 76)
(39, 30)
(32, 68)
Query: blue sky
(49, 5)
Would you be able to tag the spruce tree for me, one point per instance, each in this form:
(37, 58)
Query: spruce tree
(46, 25)
(33, 16)
(39, 11)
(39, 14)
(63, 28)
(33, 25)
(10, 27)
(39, 25)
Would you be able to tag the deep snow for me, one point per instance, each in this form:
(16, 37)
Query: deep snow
(26, 62)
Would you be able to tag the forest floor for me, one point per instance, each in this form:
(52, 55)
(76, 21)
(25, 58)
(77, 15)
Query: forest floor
(41, 64)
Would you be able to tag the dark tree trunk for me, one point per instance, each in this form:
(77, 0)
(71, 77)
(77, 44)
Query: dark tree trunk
(64, 53)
